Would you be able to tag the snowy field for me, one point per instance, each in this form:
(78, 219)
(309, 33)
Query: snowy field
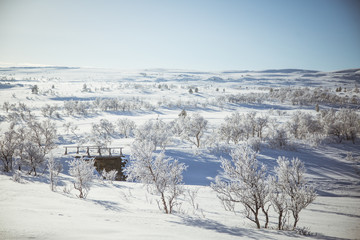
(76, 99)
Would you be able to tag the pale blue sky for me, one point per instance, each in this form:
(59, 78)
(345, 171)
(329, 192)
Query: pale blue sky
(184, 34)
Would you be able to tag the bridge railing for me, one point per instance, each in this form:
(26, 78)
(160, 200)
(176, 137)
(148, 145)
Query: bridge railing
(90, 150)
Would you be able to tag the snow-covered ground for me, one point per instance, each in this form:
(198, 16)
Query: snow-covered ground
(126, 210)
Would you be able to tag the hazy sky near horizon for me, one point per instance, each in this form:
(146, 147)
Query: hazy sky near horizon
(186, 34)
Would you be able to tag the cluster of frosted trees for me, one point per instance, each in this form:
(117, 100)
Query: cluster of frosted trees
(246, 181)
(190, 128)
(28, 143)
(295, 96)
(251, 127)
(340, 125)
(163, 174)
(83, 108)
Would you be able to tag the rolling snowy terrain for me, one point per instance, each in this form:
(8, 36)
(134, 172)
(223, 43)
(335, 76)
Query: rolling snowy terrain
(76, 99)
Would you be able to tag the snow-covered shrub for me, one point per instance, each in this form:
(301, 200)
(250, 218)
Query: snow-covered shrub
(110, 175)
(124, 105)
(126, 127)
(254, 143)
(215, 146)
(316, 139)
(80, 108)
(291, 182)
(162, 175)
(192, 195)
(69, 127)
(19, 114)
(304, 231)
(244, 182)
(83, 172)
(16, 177)
(278, 138)
(8, 106)
(54, 168)
(49, 111)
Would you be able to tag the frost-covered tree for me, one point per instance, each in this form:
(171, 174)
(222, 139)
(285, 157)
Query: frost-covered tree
(29, 140)
(238, 126)
(8, 146)
(69, 127)
(244, 182)
(192, 128)
(162, 175)
(278, 138)
(7, 106)
(317, 108)
(261, 123)
(54, 168)
(32, 156)
(37, 139)
(35, 89)
(110, 175)
(77, 108)
(83, 172)
(250, 122)
(351, 123)
(293, 126)
(303, 125)
(279, 202)
(233, 128)
(126, 127)
(43, 134)
(291, 182)
(343, 124)
(183, 113)
(154, 131)
(103, 132)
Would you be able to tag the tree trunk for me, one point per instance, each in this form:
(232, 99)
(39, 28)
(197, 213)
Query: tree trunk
(266, 217)
(164, 203)
(296, 219)
(257, 220)
(280, 221)
(198, 140)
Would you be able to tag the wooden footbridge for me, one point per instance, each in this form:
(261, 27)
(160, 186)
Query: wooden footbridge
(108, 158)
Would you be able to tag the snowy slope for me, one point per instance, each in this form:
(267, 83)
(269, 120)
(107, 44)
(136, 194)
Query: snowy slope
(127, 211)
